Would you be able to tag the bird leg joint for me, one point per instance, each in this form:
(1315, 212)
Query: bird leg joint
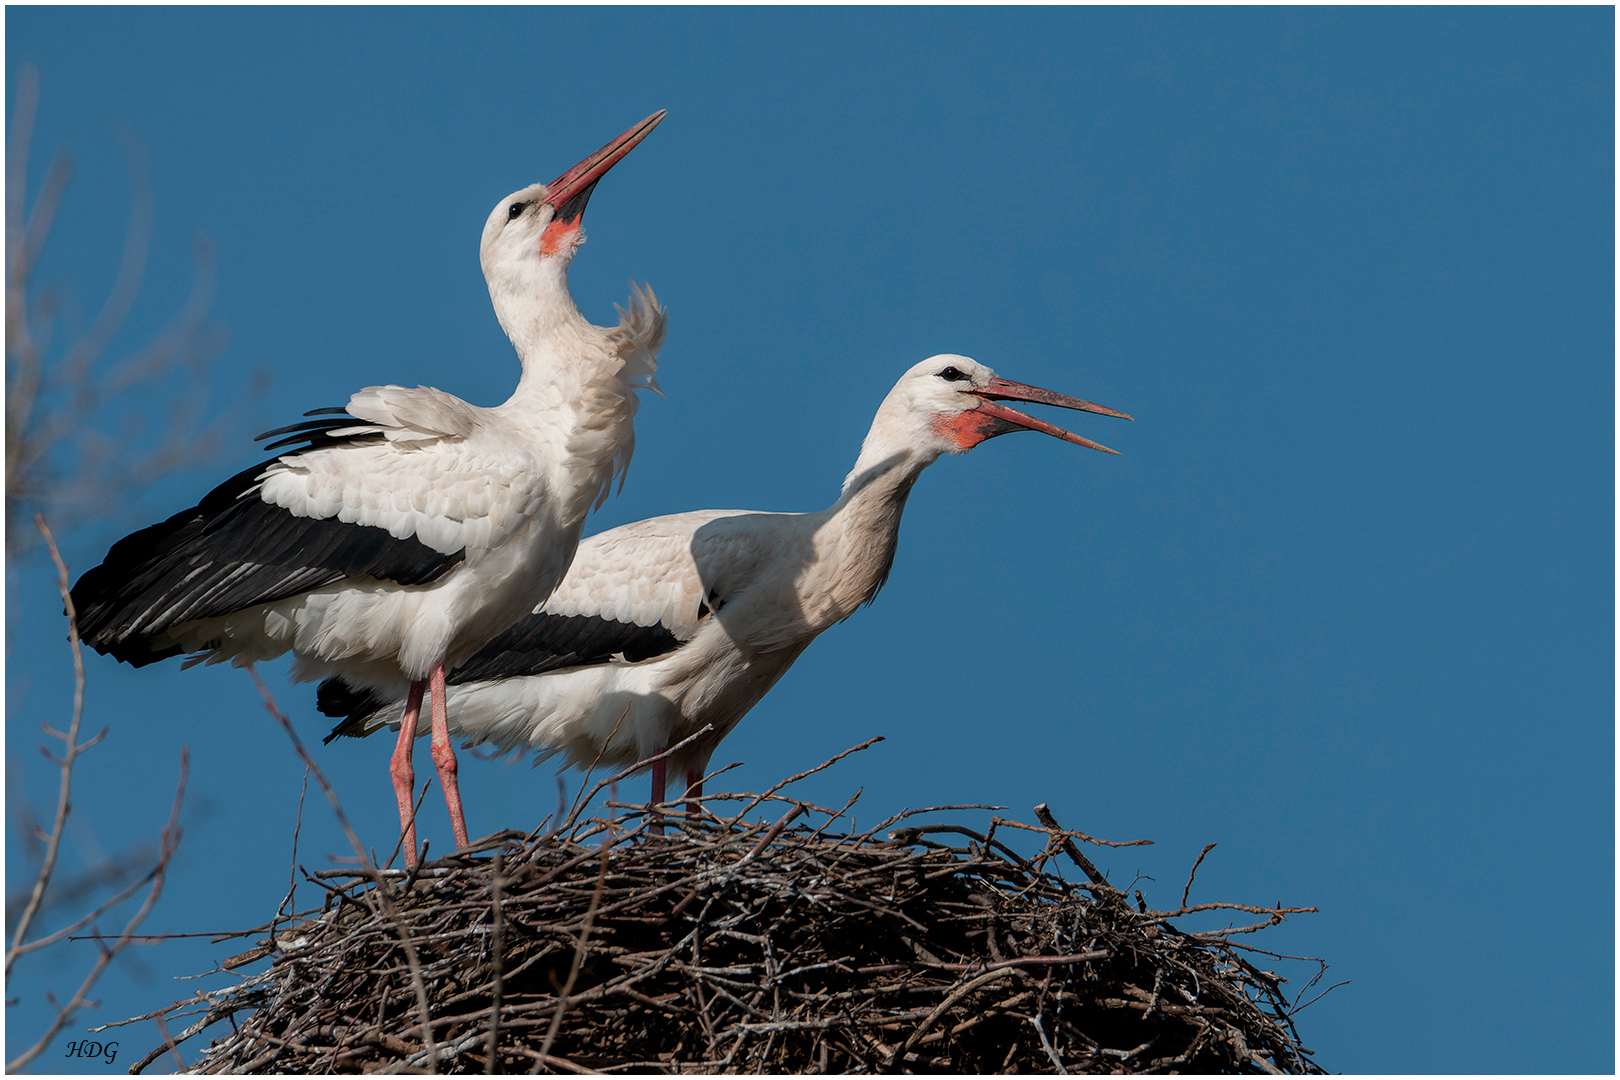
(444, 757)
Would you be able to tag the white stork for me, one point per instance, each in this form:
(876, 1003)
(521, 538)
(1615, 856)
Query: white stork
(393, 538)
(666, 625)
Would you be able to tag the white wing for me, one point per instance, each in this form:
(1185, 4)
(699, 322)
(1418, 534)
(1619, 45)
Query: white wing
(665, 571)
(449, 473)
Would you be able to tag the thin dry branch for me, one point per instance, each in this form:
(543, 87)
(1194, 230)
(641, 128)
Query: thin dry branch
(1194, 873)
(152, 880)
(1061, 837)
(65, 401)
(829, 763)
(71, 749)
(495, 962)
(584, 800)
(169, 844)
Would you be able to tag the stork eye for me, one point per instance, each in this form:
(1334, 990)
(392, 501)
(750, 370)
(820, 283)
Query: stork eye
(952, 374)
(517, 208)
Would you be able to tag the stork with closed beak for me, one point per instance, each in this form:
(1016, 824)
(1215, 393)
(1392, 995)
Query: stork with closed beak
(664, 626)
(394, 537)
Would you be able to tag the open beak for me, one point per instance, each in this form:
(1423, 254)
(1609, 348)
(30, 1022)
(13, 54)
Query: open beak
(1000, 419)
(572, 190)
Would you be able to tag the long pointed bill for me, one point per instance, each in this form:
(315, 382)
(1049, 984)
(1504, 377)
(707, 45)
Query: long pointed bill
(997, 419)
(570, 191)
(1004, 390)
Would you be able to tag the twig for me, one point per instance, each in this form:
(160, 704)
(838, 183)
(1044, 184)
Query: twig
(292, 870)
(1075, 833)
(70, 754)
(168, 844)
(1300, 1008)
(400, 842)
(168, 1042)
(631, 770)
(309, 763)
(800, 776)
(1046, 1044)
(1251, 909)
(605, 744)
(67, 932)
(774, 831)
(956, 995)
(1194, 871)
(1044, 816)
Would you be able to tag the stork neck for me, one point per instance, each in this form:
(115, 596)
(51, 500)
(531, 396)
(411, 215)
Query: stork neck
(570, 396)
(538, 313)
(880, 482)
(857, 539)
(891, 456)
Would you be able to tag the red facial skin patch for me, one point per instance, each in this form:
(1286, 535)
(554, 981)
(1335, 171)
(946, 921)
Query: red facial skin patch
(558, 235)
(969, 429)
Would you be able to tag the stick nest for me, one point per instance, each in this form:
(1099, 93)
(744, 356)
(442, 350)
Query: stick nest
(752, 946)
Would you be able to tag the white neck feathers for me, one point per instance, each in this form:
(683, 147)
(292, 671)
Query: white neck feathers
(579, 381)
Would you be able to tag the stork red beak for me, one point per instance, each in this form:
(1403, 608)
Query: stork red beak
(999, 419)
(572, 190)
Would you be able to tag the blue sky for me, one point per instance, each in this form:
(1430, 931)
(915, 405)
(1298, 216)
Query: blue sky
(1344, 606)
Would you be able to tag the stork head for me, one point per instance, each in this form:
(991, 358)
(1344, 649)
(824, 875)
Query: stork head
(540, 224)
(950, 404)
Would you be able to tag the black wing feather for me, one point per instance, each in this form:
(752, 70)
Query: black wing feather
(545, 642)
(532, 646)
(232, 551)
(335, 697)
(314, 433)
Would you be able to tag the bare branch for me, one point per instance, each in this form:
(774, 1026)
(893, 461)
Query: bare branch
(1194, 872)
(585, 800)
(61, 454)
(169, 844)
(808, 772)
(70, 754)
(1103, 888)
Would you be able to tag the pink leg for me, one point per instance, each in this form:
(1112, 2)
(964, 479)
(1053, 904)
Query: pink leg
(402, 772)
(694, 791)
(658, 793)
(444, 755)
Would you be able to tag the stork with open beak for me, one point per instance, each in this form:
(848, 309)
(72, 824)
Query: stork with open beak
(664, 626)
(392, 538)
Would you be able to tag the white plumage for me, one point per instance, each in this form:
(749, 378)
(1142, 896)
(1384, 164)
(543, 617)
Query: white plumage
(666, 625)
(408, 528)
(506, 488)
